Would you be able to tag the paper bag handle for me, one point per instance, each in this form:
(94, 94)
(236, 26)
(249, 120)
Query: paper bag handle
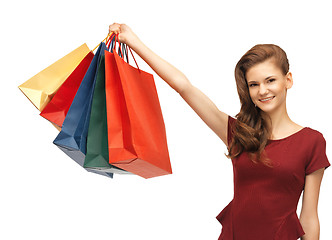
(111, 46)
(109, 35)
(126, 48)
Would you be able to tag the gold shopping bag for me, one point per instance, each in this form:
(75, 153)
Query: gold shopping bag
(41, 88)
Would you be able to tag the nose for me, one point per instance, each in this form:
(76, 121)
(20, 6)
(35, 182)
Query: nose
(263, 90)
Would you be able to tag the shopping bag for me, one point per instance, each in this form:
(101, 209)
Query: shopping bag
(56, 110)
(97, 143)
(72, 138)
(136, 131)
(41, 88)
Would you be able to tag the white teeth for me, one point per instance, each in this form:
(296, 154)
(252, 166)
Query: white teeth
(267, 99)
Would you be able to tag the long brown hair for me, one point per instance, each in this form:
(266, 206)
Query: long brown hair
(252, 128)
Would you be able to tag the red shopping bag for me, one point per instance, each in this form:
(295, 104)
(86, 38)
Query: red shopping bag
(136, 131)
(56, 110)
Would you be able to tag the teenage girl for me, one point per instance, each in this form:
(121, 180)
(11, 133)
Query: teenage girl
(274, 159)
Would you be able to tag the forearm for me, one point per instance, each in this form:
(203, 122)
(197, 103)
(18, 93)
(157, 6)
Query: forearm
(171, 75)
(311, 228)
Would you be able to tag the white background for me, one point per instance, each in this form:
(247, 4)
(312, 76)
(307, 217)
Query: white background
(46, 195)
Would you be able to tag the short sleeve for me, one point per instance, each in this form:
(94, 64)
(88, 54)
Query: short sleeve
(231, 122)
(317, 158)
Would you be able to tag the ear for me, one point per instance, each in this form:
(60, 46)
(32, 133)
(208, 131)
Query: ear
(289, 80)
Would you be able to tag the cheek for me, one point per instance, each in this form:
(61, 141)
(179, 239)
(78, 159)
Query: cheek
(279, 89)
(252, 93)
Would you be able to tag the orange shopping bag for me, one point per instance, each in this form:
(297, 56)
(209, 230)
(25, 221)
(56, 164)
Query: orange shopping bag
(136, 131)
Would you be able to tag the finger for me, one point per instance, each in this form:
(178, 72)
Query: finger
(115, 27)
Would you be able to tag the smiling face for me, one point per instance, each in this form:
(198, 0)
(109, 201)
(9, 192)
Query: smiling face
(268, 86)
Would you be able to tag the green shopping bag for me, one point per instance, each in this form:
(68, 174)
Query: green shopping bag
(97, 157)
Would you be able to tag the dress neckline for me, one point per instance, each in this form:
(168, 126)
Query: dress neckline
(289, 136)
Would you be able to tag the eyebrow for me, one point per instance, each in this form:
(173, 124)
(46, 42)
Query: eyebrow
(264, 79)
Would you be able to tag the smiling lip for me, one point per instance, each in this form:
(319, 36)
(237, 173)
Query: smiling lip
(262, 100)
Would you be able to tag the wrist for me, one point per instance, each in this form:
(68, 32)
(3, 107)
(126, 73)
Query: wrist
(135, 43)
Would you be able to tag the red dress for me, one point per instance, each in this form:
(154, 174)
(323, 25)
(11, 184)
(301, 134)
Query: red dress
(265, 199)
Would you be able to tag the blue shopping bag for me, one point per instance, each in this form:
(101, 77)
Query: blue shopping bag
(73, 135)
(97, 156)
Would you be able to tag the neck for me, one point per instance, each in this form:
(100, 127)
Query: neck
(279, 119)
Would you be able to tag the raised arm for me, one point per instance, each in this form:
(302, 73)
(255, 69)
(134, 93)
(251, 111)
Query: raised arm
(198, 101)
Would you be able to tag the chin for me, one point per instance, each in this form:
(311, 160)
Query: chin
(268, 109)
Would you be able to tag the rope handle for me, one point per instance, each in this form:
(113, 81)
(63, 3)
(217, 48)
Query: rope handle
(108, 41)
(117, 40)
(108, 35)
(111, 46)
